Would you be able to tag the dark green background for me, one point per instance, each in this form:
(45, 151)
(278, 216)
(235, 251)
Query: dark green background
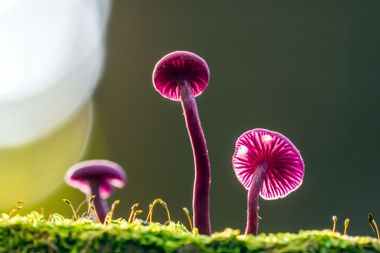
(308, 69)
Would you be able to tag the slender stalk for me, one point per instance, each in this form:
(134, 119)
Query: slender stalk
(374, 226)
(201, 210)
(334, 219)
(100, 204)
(253, 199)
(346, 223)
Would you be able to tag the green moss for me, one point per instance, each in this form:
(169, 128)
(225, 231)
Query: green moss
(33, 233)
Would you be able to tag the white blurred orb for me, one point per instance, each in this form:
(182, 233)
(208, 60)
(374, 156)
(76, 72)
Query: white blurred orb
(51, 58)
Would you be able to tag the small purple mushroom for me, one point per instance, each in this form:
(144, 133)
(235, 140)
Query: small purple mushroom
(181, 76)
(266, 163)
(96, 177)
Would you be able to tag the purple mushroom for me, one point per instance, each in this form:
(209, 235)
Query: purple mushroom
(181, 76)
(96, 177)
(266, 163)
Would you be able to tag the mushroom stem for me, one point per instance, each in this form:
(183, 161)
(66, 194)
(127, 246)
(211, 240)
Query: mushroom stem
(253, 199)
(100, 204)
(201, 212)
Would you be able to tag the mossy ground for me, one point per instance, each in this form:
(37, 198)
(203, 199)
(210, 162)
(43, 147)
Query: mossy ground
(34, 233)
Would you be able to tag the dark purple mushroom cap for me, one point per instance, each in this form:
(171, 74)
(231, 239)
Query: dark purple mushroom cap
(180, 66)
(285, 165)
(103, 172)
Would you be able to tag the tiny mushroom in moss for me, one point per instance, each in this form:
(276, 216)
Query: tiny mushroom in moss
(181, 76)
(266, 163)
(96, 177)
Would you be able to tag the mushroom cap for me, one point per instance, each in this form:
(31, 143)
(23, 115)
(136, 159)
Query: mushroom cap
(285, 165)
(179, 66)
(104, 172)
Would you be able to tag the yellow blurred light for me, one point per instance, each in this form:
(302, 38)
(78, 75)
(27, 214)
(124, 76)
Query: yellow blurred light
(34, 171)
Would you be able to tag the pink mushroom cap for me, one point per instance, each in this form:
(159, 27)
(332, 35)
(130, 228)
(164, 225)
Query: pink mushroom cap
(285, 170)
(180, 66)
(105, 173)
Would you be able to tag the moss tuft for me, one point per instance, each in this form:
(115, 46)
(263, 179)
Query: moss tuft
(34, 233)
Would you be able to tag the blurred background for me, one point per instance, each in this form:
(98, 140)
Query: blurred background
(309, 70)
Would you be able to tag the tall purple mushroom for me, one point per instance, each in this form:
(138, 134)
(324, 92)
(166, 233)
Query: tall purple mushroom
(96, 177)
(267, 164)
(181, 76)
